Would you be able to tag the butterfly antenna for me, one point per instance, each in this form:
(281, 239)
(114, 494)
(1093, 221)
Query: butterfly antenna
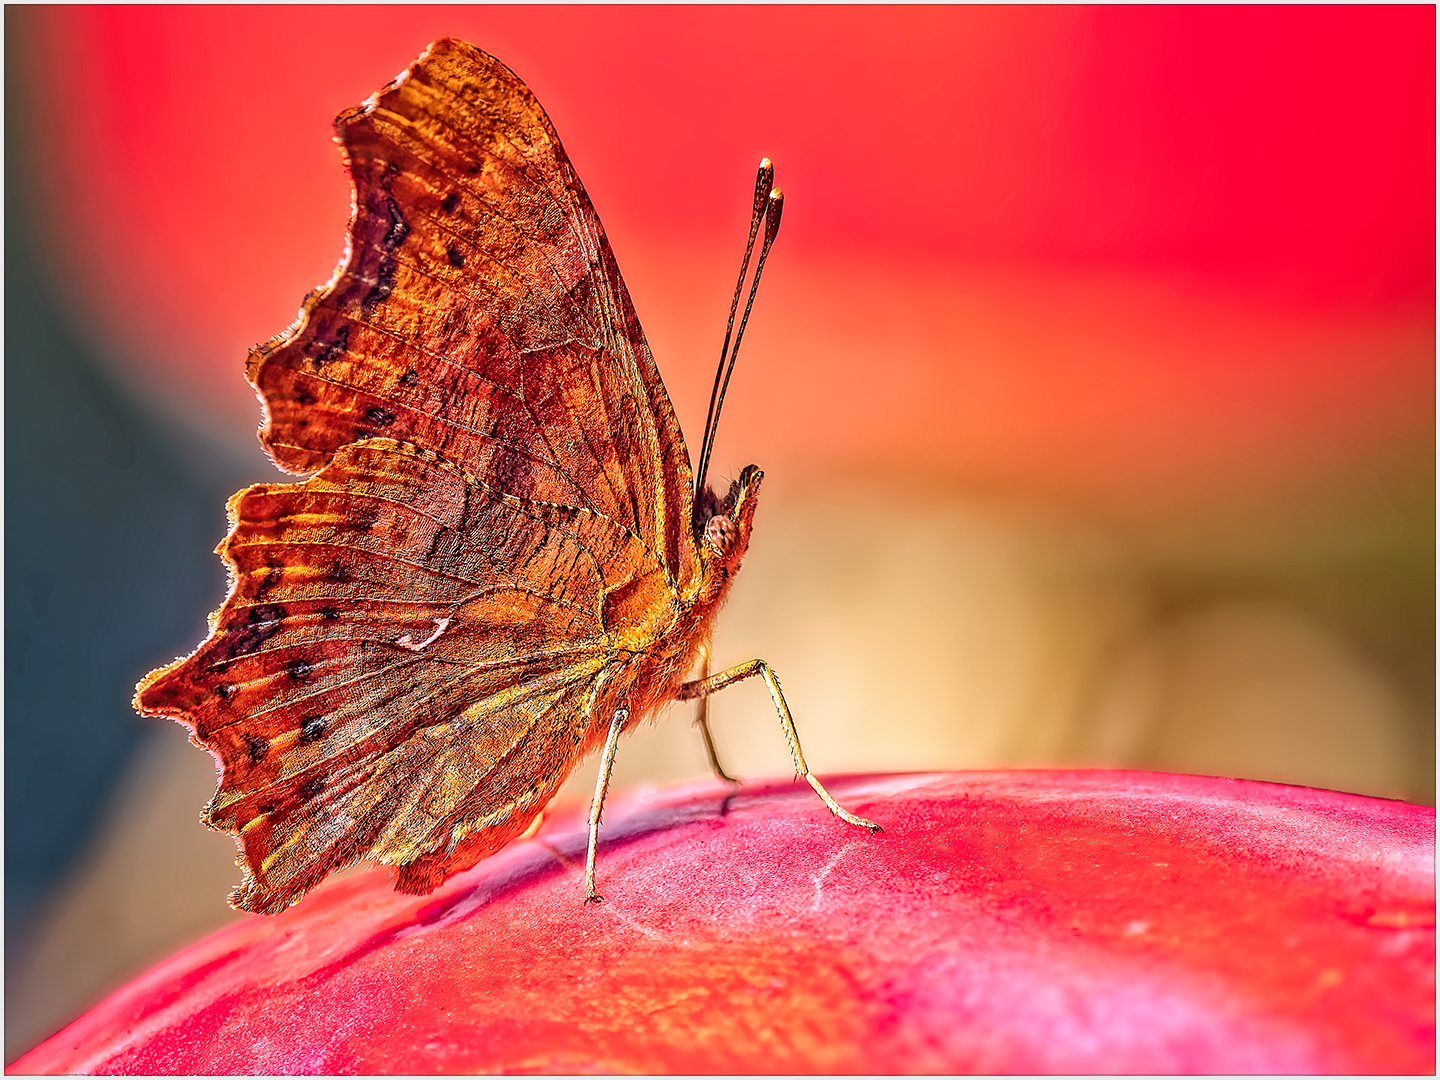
(773, 205)
(764, 177)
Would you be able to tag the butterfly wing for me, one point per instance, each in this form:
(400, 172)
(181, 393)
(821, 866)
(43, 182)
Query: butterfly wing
(419, 638)
(479, 313)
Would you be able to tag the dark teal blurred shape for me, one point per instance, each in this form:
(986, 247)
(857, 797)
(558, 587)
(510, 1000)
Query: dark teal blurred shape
(108, 570)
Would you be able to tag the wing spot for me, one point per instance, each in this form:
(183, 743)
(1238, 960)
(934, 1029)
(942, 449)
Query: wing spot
(385, 206)
(312, 787)
(451, 203)
(261, 623)
(323, 352)
(376, 415)
(455, 255)
(256, 746)
(274, 574)
(299, 670)
(312, 729)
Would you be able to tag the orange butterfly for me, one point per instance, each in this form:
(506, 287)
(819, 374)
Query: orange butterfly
(498, 564)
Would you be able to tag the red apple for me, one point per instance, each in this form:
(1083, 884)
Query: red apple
(1003, 922)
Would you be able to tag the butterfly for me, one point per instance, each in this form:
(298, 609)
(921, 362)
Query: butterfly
(501, 559)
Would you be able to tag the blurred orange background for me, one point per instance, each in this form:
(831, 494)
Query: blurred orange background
(1093, 373)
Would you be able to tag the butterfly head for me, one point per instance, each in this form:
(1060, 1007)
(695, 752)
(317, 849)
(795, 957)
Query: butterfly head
(726, 531)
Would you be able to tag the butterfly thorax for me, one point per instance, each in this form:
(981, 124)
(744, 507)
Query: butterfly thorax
(666, 652)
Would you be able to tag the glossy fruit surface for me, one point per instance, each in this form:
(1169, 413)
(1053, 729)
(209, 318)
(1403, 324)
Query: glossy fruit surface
(1003, 922)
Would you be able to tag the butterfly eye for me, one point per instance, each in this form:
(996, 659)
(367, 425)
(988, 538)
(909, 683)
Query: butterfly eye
(720, 534)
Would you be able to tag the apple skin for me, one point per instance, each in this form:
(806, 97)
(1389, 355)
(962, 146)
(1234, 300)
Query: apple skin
(1085, 921)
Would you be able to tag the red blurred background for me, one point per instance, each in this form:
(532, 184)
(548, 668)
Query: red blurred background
(1205, 237)
(1093, 374)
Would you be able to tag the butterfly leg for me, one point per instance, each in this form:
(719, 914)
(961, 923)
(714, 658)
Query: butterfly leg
(702, 721)
(602, 785)
(703, 688)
